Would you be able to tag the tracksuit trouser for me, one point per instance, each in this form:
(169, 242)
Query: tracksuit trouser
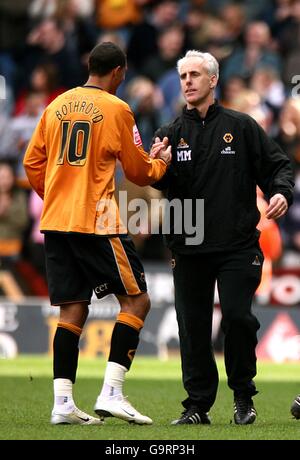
(237, 275)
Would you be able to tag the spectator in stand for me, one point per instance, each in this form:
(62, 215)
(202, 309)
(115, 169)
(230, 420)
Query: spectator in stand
(170, 46)
(13, 28)
(5, 125)
(42, 9)
(36, 241)
(119, 15)
(266, 82)
(256, 53)
(216, 31)
(21, 130)
(143, 40)
(78, 26)
(231, 90)
(194, 23)
(146, 101)
(289, 129)
(290, 228)
(47, 41)
(271, 244)
(280, 17)
(43, 80)
(217, 41)
(289, 42)
(13, 216)
(234, 17)
(7, 98)
(169, 85)
(249, 102)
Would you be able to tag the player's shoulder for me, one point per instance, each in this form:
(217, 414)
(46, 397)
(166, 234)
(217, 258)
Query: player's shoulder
(117, 102)
(122, 110)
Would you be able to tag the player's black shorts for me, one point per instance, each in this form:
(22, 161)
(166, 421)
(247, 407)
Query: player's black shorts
(77, 264)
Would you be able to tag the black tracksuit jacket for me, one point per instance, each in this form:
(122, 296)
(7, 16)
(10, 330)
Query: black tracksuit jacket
(221, 159)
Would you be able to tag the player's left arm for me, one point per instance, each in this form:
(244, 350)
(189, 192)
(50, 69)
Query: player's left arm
(273, 172)
(139, 168)
(35, 160)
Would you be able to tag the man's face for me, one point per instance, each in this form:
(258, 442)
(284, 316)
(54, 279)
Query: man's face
(196, 84)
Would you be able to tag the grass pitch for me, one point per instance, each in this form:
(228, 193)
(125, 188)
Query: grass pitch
(155, 389)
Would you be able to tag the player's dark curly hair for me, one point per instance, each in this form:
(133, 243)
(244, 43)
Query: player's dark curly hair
(105, 57)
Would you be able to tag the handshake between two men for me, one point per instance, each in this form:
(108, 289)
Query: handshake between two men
(161, 149)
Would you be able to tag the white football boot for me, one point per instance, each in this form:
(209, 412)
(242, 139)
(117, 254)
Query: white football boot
(77, 417)
(118, 406)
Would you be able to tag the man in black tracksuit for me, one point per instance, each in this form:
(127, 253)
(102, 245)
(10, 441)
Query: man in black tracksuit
(219, 156)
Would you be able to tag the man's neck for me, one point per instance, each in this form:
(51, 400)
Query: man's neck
(101, 83)
(203, 107)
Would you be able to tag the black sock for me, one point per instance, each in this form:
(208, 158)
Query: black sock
(65, 354)
(124, 342)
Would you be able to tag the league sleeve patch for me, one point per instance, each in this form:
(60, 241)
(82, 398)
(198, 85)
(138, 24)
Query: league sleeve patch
(136, 136)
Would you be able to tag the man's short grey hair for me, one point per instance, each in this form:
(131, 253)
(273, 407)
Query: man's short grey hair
(211, 63)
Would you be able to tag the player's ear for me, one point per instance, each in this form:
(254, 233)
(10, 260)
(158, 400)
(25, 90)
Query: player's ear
(119, 72)
(213, 81)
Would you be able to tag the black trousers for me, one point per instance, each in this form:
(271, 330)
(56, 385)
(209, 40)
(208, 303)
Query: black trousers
(237, 275)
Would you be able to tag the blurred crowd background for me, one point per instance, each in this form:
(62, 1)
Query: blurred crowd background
(44, 47)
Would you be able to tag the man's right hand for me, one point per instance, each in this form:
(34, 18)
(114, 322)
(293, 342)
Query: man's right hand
(161, 149)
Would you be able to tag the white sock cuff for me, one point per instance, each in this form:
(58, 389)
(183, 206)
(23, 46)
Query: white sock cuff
(62, 387)
(115, 367)
(114, 377)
